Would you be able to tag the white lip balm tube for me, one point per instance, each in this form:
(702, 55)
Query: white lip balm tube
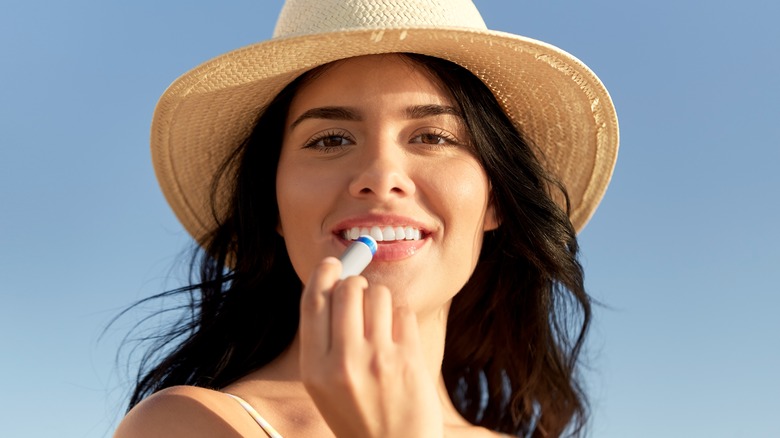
(357, 256)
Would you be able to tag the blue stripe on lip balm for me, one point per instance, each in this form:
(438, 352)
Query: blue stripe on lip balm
(357, 256)
(369, 241)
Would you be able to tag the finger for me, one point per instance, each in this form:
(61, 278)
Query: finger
(347, 314)
(405, 328)
(314, 325)
(378, 315)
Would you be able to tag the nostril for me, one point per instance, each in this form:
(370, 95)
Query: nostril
(381, 181)
(368, 190)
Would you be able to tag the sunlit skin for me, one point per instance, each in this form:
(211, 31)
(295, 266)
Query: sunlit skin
(372, 141)
(375, 141)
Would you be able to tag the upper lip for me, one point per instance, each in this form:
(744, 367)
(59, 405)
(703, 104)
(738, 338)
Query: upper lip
(370, 220)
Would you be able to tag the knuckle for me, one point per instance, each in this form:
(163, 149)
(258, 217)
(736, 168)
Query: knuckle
(347, 290)
(355, 281)
(381, 365)
(312, 302)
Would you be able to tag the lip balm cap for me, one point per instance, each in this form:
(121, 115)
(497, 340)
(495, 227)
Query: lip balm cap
(370, 243)
(357, 256)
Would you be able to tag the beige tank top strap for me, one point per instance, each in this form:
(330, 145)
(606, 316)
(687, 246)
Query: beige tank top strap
(267, 428)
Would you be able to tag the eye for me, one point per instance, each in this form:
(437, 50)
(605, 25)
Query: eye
(329, 140)
(435, 137)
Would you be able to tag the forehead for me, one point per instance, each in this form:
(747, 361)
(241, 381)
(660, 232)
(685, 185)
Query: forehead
(368, 78)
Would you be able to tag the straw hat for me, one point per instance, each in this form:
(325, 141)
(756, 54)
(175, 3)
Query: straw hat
(554, 99)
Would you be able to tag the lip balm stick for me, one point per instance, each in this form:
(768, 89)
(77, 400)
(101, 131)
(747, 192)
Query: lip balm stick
(357, 256)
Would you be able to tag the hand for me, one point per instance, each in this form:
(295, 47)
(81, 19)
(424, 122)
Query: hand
(361, 359)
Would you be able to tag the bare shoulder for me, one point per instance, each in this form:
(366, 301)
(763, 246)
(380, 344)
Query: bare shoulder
(186, 411)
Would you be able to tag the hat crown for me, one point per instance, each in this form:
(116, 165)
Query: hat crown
(305, 17)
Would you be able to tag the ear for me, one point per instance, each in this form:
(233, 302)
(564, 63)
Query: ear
(491, 221)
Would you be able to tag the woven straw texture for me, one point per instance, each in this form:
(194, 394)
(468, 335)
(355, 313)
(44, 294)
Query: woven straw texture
(555, 100)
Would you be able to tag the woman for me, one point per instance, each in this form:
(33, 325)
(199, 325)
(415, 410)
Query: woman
(473, 155)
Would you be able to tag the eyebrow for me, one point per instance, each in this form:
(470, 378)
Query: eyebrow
(328, 112)
(423, 111)
(351, 114)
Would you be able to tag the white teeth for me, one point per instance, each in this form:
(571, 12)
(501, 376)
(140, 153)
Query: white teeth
(388, 233)
(376, 233)
(383, 234)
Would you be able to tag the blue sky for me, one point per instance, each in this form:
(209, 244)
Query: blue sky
(683, 253)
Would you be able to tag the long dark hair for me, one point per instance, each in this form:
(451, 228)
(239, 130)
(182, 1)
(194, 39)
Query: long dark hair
(515, 330)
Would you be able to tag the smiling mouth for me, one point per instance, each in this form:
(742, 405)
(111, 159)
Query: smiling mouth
(384, 233)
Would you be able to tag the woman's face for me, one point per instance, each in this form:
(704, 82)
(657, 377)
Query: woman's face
(374, 143)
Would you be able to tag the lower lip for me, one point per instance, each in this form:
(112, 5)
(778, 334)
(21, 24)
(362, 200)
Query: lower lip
(395, 250)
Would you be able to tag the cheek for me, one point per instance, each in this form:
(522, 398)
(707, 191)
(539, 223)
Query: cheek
(465, 189)
(462, 192)
(296, 199)
(306, 195)
(296, 193)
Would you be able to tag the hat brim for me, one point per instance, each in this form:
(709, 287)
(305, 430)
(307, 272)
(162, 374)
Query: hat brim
(556, 101)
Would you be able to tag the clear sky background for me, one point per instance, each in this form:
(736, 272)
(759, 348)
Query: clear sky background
(684, 251)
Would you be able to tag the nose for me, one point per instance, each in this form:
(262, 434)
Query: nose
(382, 173)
